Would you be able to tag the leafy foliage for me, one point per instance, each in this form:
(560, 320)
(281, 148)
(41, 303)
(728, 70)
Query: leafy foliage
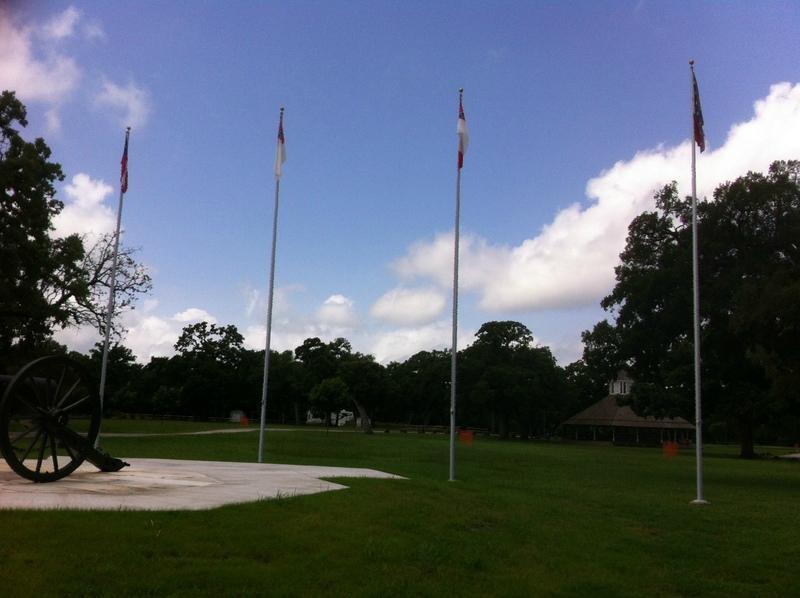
(749, 273)
(511, 382)
(329, 397)
(420, 388)
(209, 342)
(30, 260)
(47, 282)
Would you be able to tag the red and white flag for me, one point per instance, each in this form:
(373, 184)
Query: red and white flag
(699, 134)
(123, 173)
(463, 134)
(280, 152)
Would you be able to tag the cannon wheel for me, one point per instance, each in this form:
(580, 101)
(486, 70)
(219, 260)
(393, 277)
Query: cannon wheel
(47, 395)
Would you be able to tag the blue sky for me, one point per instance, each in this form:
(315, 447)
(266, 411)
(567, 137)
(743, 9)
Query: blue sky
(577, 112)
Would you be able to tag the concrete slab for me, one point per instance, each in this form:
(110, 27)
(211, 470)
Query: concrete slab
(171, 484)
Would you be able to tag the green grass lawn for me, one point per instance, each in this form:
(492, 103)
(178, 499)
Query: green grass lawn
(155, 426)
(523, 519)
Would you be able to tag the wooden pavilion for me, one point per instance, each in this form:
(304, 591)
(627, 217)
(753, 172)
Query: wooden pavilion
(607, 420)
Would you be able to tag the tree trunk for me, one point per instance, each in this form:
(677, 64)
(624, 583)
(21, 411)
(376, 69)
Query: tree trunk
(366, 423)
(746, 426)
(503, 427)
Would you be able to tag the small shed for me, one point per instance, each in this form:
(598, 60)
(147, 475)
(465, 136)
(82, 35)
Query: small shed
(609, 421)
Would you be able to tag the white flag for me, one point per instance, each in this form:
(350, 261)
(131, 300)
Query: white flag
(463, 134)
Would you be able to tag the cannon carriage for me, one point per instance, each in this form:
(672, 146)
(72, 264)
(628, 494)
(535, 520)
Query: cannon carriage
(50, 416)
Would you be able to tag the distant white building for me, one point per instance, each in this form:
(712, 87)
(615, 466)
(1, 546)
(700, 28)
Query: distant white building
(621, 385)
(345, 417)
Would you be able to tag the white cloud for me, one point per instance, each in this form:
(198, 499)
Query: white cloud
(570, 262)
(33, 64)
(285, 337)
(149, 334)
(80, 339)
(131, 102)
(334, 318)
(153, 335)
(62, 25)
(256, 301)
(408, 307)
(337, 311)
(84, 211)
(402, 343)
(253, 301)
(93, 31)
(194, 315)
(52, 121)
(397, 345)
(288, 334)
(434, 260)
(49, 79)
(385, 345)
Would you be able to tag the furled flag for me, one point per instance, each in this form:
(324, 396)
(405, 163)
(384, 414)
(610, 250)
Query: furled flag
(699, 136)
(123, 173)
(463, 134)
(280, 152)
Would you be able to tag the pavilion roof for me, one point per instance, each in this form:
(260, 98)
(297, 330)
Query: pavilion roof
(607, 412)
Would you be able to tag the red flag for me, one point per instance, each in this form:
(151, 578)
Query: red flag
(123, 175)
(463, 134)
(699, 135)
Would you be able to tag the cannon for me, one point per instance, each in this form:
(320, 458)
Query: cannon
(49, 420)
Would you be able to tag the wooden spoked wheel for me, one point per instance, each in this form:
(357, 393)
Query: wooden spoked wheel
(45, 401)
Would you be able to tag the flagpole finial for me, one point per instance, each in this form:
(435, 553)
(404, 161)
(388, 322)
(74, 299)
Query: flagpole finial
(460, 90)
(128, 130)
(282, 109)
(691, 62)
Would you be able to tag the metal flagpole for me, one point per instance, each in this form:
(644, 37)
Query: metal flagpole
(278, 161)
(454, 353)
(113, 286)
(698, 411)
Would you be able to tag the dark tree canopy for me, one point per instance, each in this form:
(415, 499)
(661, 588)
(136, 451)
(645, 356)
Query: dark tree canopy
(209, 342)
(30, 260)
(47, 282)
(504, 336)
(749, 281)
(329, 397)
(509, 381)
(327, 368)
(421, 388)
(367, 383)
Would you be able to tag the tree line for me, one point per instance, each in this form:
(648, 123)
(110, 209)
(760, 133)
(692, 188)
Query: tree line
(506, 385)
(750, 319)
